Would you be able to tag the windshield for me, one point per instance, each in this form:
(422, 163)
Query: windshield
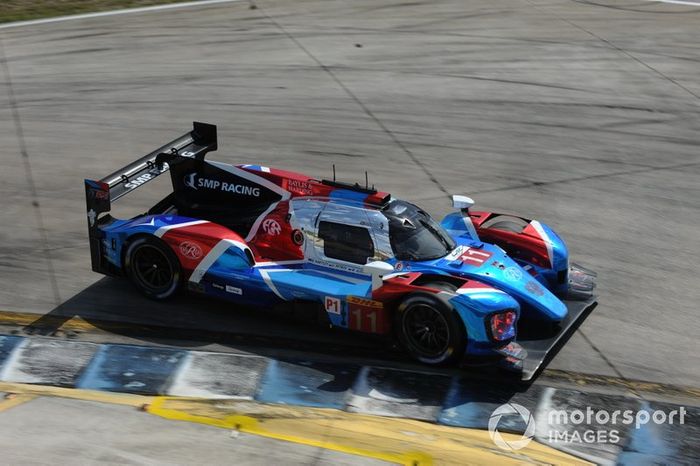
(414, 235)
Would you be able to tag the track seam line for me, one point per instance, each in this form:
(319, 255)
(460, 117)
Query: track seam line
(585, 178)
(24, 154)
(618, 49)
(359, 102)
(612, 366)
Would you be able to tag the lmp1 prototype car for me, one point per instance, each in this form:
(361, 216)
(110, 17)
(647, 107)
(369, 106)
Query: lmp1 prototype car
(468, 286)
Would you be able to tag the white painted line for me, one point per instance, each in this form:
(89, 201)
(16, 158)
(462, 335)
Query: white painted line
(126, 11)
(213, 255)
(166, 228)
(265, 274)
(677, 2)
(12, 359)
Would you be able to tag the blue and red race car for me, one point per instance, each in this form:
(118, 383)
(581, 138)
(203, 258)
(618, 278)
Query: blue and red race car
(475, 284)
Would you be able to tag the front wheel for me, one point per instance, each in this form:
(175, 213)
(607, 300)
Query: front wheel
(153, 267)
(430, 330)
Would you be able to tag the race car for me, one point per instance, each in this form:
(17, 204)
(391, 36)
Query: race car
(474, 285)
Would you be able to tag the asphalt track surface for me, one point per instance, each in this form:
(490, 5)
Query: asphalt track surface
(584, 115)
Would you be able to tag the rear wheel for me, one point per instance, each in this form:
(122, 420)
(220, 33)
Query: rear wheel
(153, 267)
(430, 330)
(442, 286)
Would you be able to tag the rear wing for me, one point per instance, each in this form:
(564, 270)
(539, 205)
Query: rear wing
(99, 194)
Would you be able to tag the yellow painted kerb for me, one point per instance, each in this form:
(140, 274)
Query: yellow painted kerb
(14, 400)
(395, 440)
(401, 441)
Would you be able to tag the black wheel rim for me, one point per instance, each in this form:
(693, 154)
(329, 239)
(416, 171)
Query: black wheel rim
(426, 330)
(152, 268)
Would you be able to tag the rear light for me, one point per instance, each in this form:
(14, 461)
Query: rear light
(503, 325)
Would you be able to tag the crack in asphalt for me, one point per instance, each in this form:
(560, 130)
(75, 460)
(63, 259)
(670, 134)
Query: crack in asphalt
(618, 49)
(610, 364)
(24, 154)
(359, 102)
(589, 177)
(635, 10)
(641, 170)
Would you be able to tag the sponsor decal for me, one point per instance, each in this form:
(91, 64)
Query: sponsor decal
(367, 315)
(403, 266)
(234, 290)
(534, 288)
(513, 274)
(455, 254)
(337, 266)
(272, 227)
(99, 194)
(217, 286)
(302, 187)
(192, 181)
(332, 305)
(136, 182)
(92, 215)
(191, 250)
(189, 181)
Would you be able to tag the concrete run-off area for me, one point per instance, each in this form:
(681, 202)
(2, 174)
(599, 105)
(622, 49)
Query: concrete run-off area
(69, 431)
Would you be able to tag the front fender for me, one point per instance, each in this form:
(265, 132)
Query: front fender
(475, 303)
(532, 242)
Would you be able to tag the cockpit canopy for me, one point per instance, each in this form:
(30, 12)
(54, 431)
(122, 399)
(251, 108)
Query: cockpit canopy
(414, 235)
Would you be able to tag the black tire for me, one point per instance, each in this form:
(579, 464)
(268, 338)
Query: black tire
(442, 286)
(506, 223)
(153, 267)
(430, 330)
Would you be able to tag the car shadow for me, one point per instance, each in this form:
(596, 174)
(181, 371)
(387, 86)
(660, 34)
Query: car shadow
(335, 364)
(189, 320)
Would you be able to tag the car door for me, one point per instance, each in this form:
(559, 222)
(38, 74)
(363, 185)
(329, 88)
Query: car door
(337, 243)
(344, 241)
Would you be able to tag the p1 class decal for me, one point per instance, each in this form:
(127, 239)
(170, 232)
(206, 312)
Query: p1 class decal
(332, 305)
(475, 257)
(272, 227)
(191, 250)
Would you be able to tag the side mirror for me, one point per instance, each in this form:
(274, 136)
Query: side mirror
(462, 202)
(377, 270)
